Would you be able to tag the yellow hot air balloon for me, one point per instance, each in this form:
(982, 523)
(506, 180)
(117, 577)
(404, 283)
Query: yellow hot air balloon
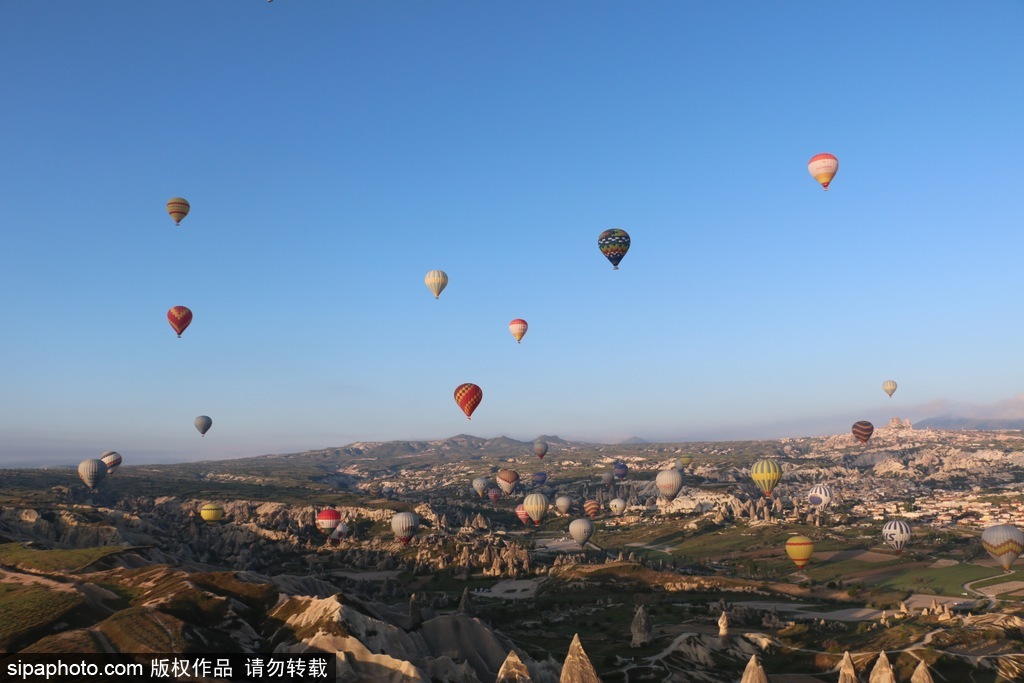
(212, 513)
(823, 167)
(766, 474)
(436, 281)
(889, 387)
(800, 549)
(178, 208)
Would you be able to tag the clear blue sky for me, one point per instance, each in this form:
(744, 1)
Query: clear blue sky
(334, 152)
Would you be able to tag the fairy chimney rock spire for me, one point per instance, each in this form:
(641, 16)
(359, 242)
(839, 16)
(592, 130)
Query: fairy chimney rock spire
(513, 670)
(922, 674)
(882, 671)
(847, 674)
(577, 667)
(754, 673)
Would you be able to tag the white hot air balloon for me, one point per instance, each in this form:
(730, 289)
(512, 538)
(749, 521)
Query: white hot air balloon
(480, 486)
(436, 281)
(897, 533)
(563, 504)
(617, 506)
(1004, 542)
(92, 471)
(820, 496)
(405, 524)
(536, 505)
(669, 483)
(112, 459)
(581, 530)
(889, 387)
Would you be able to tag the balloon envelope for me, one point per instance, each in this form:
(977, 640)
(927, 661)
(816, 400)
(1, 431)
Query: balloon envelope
(518, 328)
(540, 449)
(92, 471)
(180, 318)
(863, 430)
(468, 397)
(563, 504)
(800, 549)
(178, 208)
(617, 506)
(823, 168)
(112, 459)
(889, 387)
(766, 474)
(669, 483)
(607, 478)
(211, 513)
(436, 281)
(539, 478)
(684, 461)
(507, 480)
(897, 533)
(494, 495)
(592, 508)
(820, 496)
(522, 514)
(327, 521)
(613, 244)
(404, 525)
(581, 530)
(620, 470)
(536, 506)
(480, 486)
(203, 424)
(1004, 542)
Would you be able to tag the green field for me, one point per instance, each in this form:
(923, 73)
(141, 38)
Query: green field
(26, 608)
(944, 581)
(17, 555)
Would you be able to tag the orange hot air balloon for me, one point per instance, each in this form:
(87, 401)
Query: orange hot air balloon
(863, 430)
(468, 396)
(823, 167)
(800, 549)
(180, 317)
(518, 328)
(178, 208)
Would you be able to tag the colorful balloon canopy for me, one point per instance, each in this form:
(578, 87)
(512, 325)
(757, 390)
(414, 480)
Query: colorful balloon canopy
(823, 168)
(592, 508)
(92, 472)
(617, 506)
(540, 448)
(203, 424)
(1004, 542)
(522, 514)
(684, 461)
(581, 530)
(539, 478)
(800, 549)
(863, 430)
(180, 318)
(507, 480)
(518, 328)
(620, 470)
(563, 504)
(480, 486)
(112, 459)
(178, 208)
(766, 474)
(897, 533)
(889, 387)
(436, 281)
(536, 506)
(404, 525)
(468, 396)
(820, 496)
(494, 495)
(327, 520)
(341, 531)
(669, 483)
(614, 244)
(211, 513)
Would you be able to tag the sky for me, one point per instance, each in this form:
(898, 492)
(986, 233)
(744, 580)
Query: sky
(334, 152)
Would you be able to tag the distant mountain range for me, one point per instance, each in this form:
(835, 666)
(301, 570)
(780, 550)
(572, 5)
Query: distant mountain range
(952, 422)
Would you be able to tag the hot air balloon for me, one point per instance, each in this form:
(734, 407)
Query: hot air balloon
(684, 461)
(522, 514)
(468, 396)
(536, 506)
(539, 478)
(863, 430)
(617, 506)
(800, 549)
(897, 533)
(375, 488)
(211, 513)
(889, 387)
(494, 495)
(613, 244)
(327, 521)
(823, 168)
(669, 483)
(592, 508)
(405, 524)
(341, 531)
(581, 530)
(518, 328)
(563, 504)
(112, 459)
(766, 474)
(820, 496)
(203, 424)
(1004, 542)
(180, 318)
(607, 478)
(92, 471)
(620, 469)
(480, 486)
(178, 208)
(436, 281)
(540, 448)
(507, 480)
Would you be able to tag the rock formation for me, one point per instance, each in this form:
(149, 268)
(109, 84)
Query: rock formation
(882, 672)
(513, 670)
(641, 628)
(723, 625)
(754, 673)
(577, 667)
(847, 674)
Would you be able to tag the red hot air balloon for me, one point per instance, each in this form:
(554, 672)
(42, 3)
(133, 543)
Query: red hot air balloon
(468, 396)
(180, 318)
(823, 167)
(494, 495)
(518, 328)
(522, 514)
(863, 430)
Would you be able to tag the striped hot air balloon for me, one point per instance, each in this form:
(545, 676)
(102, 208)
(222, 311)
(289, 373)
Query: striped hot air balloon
(823, 168)
(522, 514)
(897, 533)
(889, 387)
(178, 208)
(1004, 542)
(581, 530)
(112, 459)
(507, 480)
(480, 486)
(820, 496)
(669, 483)
(766, 474)
(518, 328)
(92, 472)
(180, 318)
(863, 430)
(536, 506)
(563, 504)
(404, 525)
(592, 508)
(614, 244)
(211, 513)
(494, 495)
(327, 520)
(436, 281)
(617, 506)
(800, 549)
(468, 397)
